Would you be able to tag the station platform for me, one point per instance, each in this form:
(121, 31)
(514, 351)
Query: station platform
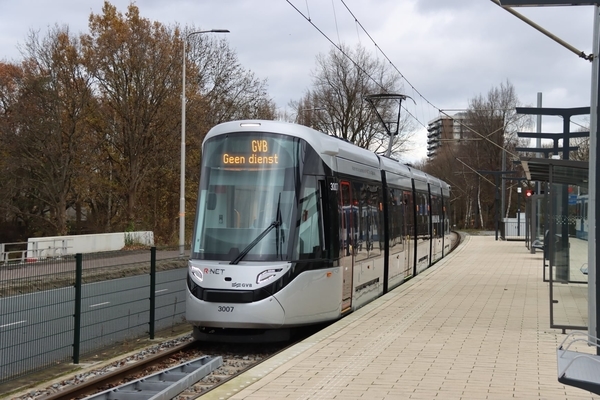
(473, 326)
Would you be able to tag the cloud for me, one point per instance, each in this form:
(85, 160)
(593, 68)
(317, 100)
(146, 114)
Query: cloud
(449, 51)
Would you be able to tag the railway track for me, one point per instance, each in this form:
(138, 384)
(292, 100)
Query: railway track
(163, 385)
(122, 371)
(149, 374)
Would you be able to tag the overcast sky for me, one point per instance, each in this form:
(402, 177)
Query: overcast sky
(449, 51)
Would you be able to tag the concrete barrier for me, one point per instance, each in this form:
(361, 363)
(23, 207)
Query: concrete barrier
(56, 246)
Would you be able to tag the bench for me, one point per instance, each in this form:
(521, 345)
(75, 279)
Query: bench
(542, 244)
(581, 370)
(538, 244)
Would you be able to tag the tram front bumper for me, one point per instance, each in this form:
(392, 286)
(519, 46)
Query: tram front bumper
(263, 314)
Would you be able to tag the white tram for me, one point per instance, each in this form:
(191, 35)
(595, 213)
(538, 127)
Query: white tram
(294, 227)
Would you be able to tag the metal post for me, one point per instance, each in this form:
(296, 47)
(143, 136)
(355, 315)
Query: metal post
(503, 189)
(594, 179)
(182, 168)
(152, 291)
(77, 313)
(538, 141)
(497, 201)
(519, 211)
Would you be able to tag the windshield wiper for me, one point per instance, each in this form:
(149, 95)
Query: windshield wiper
(275, 224)
(278, 219)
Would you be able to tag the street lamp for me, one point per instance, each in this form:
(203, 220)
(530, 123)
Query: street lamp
(182, 177)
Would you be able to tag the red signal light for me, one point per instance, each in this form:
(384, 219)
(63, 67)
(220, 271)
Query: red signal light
(529, 192)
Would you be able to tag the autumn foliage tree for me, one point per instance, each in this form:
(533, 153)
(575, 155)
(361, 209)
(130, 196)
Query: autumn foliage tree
(134, 65)
(46, 136)
(90, 125)
(11, 77)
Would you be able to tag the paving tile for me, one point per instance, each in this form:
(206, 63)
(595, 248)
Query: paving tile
(474, 326)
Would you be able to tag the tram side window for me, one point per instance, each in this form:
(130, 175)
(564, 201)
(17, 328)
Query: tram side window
(392, 222)
(396, 202)
(423, 216)
(436, 216)
(368, 212)
(309, 226)
(446, 217)
(447, 213)
(343, 210)
(409, 214)
(361, 210)
(375, 227)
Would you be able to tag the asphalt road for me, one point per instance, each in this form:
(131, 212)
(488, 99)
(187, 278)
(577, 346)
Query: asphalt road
(38, 328)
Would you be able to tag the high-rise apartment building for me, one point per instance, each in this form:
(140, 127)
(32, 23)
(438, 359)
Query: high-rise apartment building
(446, 130)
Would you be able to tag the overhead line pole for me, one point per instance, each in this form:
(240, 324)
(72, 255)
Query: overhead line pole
(182, 168)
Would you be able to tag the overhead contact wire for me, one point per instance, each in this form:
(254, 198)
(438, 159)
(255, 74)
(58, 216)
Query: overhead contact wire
(397, 70)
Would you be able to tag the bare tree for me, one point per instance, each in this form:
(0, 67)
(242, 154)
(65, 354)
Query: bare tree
(490, 127)
(583, 145)
(223, 89)
(337, 104)
(494, 121)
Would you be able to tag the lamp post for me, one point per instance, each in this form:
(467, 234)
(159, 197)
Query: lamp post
(182, 176)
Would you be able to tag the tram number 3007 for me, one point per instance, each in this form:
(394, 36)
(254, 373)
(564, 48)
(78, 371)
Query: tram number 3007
(225, 309)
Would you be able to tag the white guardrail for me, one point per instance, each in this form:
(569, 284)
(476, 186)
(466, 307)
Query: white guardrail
(57, 246)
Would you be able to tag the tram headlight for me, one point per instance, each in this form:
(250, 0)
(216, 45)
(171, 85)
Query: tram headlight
(267, 275)
(197, 272)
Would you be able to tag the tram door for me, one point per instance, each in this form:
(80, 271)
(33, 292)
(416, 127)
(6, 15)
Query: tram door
(347, 243)
(409, 226)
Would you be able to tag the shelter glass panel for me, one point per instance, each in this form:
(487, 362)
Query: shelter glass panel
(568, 256)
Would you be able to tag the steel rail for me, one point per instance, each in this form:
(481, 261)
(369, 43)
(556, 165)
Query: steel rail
(90, 387)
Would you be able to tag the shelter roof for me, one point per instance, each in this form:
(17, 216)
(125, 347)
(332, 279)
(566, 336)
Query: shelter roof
(560, 171)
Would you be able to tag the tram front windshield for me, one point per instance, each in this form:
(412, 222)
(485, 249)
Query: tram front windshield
(247, 197)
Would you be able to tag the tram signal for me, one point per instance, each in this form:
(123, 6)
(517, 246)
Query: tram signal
(528, 192)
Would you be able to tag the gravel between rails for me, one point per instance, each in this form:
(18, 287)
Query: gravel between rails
(236, 358)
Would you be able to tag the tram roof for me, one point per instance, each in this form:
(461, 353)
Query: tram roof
(325, 145)
(395, 167)
(321, 142)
